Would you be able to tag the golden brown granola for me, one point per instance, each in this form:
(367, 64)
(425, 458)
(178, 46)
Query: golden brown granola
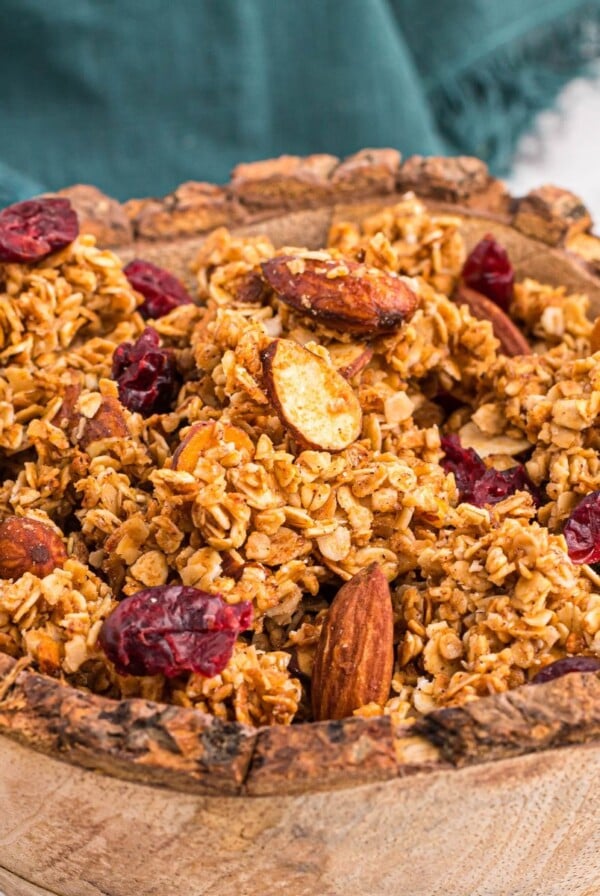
(254, 508)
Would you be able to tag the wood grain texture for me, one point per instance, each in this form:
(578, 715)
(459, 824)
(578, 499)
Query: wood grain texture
(159, 744)
(516, 827)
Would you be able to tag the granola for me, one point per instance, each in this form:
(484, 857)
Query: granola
(303, 445)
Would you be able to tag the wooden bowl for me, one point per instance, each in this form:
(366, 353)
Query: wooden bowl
(134, 798)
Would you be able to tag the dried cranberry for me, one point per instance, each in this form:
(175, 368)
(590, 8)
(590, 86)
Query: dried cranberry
(31, 230)
(495, 485)
(161, 290)
(465, 463)
(566, 665)
(582, 530)
(172, 629)
(478, 484)
(146, 374)
(489, 271)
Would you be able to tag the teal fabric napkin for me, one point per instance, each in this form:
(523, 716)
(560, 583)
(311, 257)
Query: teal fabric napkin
(137, 96)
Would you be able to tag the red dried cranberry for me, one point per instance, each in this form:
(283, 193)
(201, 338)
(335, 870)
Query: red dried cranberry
(495, 485)
(172, 629)
(489, 271)
(146, 374)
(582, 530)
(566, 665)
(478, 484)
(465, 463)
(31, 230)
(161, 290)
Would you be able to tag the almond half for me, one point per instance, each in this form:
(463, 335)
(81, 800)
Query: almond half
(345, 295)
(202, 436)
(512, 342)
(354, 660)
(350, 358)
(313, 401)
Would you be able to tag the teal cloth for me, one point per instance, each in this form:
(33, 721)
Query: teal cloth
(137, 96)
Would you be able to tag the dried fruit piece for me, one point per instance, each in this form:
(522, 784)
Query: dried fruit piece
(346, 295)
(568, 664)
(496, 485)
(108, 422)
(202, 436)
(171, 629)
(512, 342)
(582, 530)
(161, 290)
(313, 401)
(489, 271)
(31, 230)
(29, 546)
(481, 485)
(146, 374)
(355, 655)
(465, 463)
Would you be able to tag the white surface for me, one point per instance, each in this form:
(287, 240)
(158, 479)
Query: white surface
(563, 146)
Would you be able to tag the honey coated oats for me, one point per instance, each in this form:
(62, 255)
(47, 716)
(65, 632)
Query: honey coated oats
(183, 495)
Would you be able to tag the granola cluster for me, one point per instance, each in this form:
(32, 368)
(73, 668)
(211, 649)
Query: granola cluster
(299, 450)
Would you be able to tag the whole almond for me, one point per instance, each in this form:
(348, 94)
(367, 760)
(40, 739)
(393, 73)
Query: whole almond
(28, 545)
(345, 295)
(512, 342)
(355, 655)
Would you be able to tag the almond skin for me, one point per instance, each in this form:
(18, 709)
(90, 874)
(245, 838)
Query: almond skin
(66, 415)
(354, 660)
(108, 422)
(202, 436)
(313, 401)
(512, 342)
(29, 546)
(345, 295)
(350, 359)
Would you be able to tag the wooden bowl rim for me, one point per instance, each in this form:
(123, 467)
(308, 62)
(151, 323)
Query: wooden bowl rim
(187, 750)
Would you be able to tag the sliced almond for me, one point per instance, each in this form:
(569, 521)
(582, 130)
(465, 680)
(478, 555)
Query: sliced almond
(355, 654)
(512, 342)
(345, 295)
(471, 436)
(313, 401)
(350, 358)
(202, 436)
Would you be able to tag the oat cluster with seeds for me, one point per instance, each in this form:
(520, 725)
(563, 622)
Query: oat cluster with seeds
(303, 445)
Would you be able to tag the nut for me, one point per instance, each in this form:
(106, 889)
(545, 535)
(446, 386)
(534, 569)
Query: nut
(345, 295)
(350, 358)
(355, 655)
(202, 436)
(313, 401)
(512, 342)
(66, 415)
(108, 422)
(28, 545)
